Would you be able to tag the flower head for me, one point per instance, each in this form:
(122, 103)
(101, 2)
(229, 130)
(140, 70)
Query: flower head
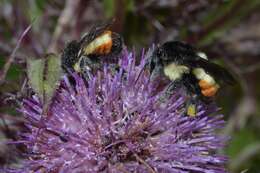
(116, 123)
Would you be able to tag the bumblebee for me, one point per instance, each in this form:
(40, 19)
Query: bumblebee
(185, 67)
(99, 45)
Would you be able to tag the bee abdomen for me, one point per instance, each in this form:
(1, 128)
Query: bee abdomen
(207, 83)
(101, 45)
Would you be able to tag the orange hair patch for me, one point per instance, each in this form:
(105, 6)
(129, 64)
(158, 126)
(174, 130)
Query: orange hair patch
(101, 45)
(210, 92)
(204, 84)
(207, 89)
(105, 47)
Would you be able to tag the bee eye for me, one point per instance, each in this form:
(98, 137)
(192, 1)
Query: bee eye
(159, 53)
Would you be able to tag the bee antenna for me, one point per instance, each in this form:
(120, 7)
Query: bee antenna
(147, 61)
(140, 73)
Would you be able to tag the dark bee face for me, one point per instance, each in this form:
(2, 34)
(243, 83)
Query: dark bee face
(155, 63)
(69, 56)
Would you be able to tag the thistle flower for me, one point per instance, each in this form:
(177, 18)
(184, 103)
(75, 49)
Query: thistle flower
(116, 124)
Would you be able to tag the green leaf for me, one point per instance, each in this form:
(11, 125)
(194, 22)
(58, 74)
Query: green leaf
(109, 7)
(44, 76)
(130, 5)
(14, 72)
(35, 70)
(239, 141)
(51, 77)
(40, 4)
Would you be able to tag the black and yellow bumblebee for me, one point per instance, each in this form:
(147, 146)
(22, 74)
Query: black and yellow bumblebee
(183, 65)
(99, 45)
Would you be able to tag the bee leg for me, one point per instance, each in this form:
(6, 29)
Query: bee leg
(86, 67)
(156, 73)
(191, 108)
(194, 93)
(115, 68)
(170, 90)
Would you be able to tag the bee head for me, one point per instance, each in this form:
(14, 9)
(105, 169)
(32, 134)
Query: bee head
(69, 55)
(159, 53)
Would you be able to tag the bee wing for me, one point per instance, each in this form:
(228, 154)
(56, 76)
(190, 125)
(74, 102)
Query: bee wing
(95, 31)
(218, 72)
(191, 83)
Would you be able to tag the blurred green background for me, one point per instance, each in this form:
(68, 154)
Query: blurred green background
(228, 31)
